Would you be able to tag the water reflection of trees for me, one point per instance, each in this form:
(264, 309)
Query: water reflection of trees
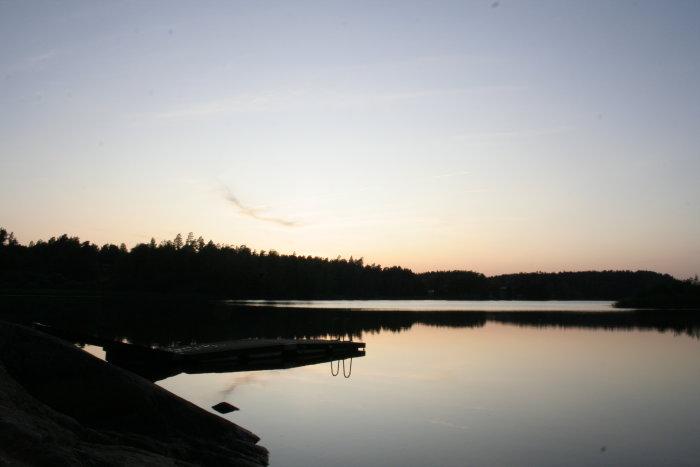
(165, 323)
(677, 321)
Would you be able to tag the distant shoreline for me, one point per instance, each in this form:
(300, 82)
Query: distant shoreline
(657, 303)
(204, 269)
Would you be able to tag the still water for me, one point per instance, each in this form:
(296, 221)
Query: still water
(478, 392)
(435, 305)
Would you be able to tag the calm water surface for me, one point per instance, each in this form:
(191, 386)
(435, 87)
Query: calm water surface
(483, 395)
(437, 305)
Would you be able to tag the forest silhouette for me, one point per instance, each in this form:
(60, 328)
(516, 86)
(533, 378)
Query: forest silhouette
(194, 266)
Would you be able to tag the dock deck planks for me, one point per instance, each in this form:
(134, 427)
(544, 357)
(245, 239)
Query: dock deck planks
(251, 347)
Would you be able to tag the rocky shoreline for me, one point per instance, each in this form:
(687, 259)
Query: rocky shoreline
(61, 406)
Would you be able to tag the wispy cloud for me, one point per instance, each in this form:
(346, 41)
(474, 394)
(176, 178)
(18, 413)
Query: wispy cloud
(257, 213)
(41, 57)
(447, 424)
(33, 62)
(238, 104)
(458, 173)
(515, 134)
(281, 101)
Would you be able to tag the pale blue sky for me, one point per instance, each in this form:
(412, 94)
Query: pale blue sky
(499, 137)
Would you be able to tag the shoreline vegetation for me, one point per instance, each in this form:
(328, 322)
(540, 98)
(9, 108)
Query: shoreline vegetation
(195, 267)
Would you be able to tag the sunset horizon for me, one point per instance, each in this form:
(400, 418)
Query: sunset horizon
(366, 261)
(498, 137)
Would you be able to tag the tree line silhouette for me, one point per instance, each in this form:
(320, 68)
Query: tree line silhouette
(192, 265)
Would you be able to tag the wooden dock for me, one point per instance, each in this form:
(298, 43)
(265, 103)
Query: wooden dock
(217, 357)
(262, 348)
(232, 356)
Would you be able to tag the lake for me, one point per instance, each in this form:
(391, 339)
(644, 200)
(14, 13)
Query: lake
(525, 386)
(433, 305)
(441, 383)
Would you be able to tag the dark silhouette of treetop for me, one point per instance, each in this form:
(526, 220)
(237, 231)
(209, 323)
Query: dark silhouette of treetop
(197, 266)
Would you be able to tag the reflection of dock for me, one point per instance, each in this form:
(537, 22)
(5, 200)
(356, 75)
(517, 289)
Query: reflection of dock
(217, 357)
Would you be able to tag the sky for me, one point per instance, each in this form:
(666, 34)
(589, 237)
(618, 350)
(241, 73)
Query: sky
(495, 136)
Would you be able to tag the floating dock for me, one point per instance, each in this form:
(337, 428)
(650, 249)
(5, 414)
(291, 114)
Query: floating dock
(231, 356)
(262, 348)
(217, 357)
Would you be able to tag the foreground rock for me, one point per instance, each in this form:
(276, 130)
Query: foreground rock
(61, 406)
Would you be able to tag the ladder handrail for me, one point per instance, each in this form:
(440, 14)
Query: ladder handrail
(336, 372)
